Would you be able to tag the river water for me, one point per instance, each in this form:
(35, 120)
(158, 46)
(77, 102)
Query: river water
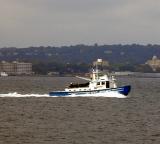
(79, 120)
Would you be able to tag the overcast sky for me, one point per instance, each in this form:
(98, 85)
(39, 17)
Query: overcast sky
(26, 23)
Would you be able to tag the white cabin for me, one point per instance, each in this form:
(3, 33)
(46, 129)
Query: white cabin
(98, 81)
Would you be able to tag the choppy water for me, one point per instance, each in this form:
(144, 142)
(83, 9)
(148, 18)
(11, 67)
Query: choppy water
(78, 120)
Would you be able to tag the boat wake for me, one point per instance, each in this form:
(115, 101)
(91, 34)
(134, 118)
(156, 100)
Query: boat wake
(15, 94)
(111, 95)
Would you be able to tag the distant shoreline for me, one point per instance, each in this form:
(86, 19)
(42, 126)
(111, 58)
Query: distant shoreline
(119, 74)
(137, 74)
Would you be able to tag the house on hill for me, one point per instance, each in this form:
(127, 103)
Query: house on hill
(154, 63)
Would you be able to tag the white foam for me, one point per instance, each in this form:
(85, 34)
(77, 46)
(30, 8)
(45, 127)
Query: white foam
(15, 94)
(110, 94)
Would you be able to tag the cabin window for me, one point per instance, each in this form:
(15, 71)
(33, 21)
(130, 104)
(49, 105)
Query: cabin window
(103, 83)
(107, 84)
(98, 83)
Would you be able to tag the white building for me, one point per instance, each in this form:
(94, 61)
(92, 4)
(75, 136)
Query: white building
(16, 68)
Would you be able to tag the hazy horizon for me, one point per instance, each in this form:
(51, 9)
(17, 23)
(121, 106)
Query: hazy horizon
(60, 22)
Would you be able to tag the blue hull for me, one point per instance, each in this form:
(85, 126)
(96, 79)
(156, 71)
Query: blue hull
(122, 90)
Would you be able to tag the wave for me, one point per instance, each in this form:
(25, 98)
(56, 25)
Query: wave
(111, 95)
(15, 94)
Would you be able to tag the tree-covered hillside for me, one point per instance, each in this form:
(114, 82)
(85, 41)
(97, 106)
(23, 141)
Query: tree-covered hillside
(117, 55)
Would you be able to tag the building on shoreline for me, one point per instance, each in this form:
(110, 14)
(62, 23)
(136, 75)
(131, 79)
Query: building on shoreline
(101, 63)
(16, 68)
(154, 63)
